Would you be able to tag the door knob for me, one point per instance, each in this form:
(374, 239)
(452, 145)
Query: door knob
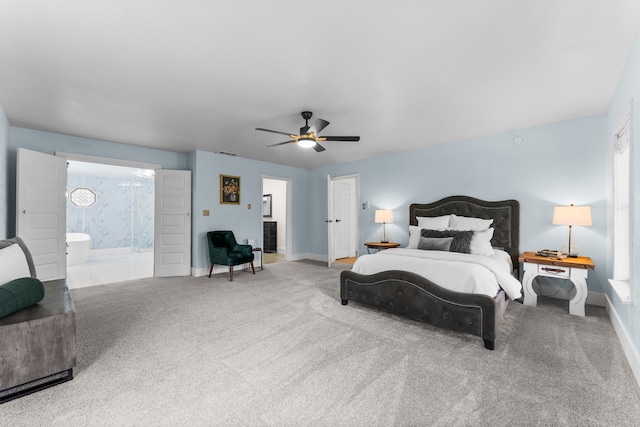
(329, 220)
(338, 220)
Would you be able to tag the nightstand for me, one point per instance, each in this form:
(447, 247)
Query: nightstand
(380, 245)
(574, 269)
(257, 252)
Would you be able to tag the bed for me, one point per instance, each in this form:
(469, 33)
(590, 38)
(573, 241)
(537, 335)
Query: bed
(408, 293)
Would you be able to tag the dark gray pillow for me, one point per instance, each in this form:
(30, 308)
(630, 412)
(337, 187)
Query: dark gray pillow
(435, 243)
(461, 239)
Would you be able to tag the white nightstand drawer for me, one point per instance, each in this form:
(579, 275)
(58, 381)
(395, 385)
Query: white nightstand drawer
(553, 271)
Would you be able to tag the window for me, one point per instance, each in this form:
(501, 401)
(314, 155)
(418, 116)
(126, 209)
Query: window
(621, 281)
(82, 197)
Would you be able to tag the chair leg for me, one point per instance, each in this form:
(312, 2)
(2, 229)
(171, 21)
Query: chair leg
(210, 270)
(231, 273)
(253, 269)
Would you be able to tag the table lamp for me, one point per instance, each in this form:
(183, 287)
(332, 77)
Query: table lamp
(384, 216)
(571, 215)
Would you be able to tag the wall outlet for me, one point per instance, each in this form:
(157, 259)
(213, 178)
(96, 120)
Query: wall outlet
(249, 206)
(205, 212)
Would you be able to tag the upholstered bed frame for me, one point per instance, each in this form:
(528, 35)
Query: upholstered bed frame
(415, 297)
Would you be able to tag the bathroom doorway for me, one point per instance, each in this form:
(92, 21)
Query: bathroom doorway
(109, 223)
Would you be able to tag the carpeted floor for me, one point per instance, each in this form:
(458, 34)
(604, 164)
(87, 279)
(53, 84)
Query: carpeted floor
(277, 349)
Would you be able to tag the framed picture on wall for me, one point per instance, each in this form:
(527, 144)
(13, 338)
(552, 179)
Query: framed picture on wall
(229, 190)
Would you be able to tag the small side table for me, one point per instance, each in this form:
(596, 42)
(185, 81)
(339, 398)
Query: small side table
(257, 251)
(380, 246)
(574, 269)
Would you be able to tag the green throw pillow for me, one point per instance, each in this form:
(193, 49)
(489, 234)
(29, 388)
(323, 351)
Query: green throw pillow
(20, 293)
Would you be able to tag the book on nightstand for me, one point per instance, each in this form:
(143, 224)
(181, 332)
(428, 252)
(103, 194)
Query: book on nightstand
(548, 253)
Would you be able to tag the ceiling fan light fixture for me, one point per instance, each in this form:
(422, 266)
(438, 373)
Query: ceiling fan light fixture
(308, 137)
(306, 142)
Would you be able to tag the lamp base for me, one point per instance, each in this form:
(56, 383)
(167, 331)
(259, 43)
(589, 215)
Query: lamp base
(569, 247)
(384, 241)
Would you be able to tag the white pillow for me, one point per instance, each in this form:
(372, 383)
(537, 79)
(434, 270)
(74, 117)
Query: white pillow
(434, 222)
(13, 264)
(414, 237)
(481, 243)
(463, 223)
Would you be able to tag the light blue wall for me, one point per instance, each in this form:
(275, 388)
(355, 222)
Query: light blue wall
(206, 169)
(628, 89)
(245, 223)
(4, 175)
(556, 164)
(50, 143)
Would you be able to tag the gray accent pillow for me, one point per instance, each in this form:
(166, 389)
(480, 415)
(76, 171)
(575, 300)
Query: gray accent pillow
(435, 243)
(461, 239)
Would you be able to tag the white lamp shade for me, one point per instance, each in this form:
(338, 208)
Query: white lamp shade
(572, 215)
(384, 215)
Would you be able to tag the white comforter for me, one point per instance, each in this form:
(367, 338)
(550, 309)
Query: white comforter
(478, 274)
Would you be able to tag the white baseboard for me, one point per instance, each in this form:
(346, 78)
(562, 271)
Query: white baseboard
(198, 271)
(597, 298)
(204, 271)
(313, 257)
(633, 357)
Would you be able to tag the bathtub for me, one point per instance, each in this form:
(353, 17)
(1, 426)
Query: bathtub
(78, 245)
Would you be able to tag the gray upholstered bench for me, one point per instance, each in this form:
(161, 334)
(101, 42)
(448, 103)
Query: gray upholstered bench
(38, 343)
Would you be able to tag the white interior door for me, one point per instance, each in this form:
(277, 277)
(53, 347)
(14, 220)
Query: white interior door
(41, 182)
(330, 224)
(172, 246)
(342, 194)
(342, 219)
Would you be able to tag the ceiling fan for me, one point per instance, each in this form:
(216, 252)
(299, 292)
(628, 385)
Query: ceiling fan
(308, 136)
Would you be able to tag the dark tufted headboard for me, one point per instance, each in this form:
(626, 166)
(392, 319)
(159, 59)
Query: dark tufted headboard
(505, 214)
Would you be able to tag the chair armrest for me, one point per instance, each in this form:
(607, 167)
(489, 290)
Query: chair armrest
(243, 248)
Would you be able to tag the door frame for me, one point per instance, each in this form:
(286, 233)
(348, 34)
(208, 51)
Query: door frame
(288, 250)
(353, 213)
(107, 161)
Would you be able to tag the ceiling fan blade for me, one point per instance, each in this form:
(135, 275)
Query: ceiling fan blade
(342, 138)
(274, 131)
(318, 125)
(281, 143)
(318, 147)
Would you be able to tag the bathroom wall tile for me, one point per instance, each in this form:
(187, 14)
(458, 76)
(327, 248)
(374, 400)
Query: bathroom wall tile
(122, 215)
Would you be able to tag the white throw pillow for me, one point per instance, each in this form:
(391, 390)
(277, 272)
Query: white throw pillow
(13, 264)
(481, 242)
(434, 222)
(463, 223)
(414, 237)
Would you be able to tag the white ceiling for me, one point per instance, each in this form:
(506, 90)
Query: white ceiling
(185, 75)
